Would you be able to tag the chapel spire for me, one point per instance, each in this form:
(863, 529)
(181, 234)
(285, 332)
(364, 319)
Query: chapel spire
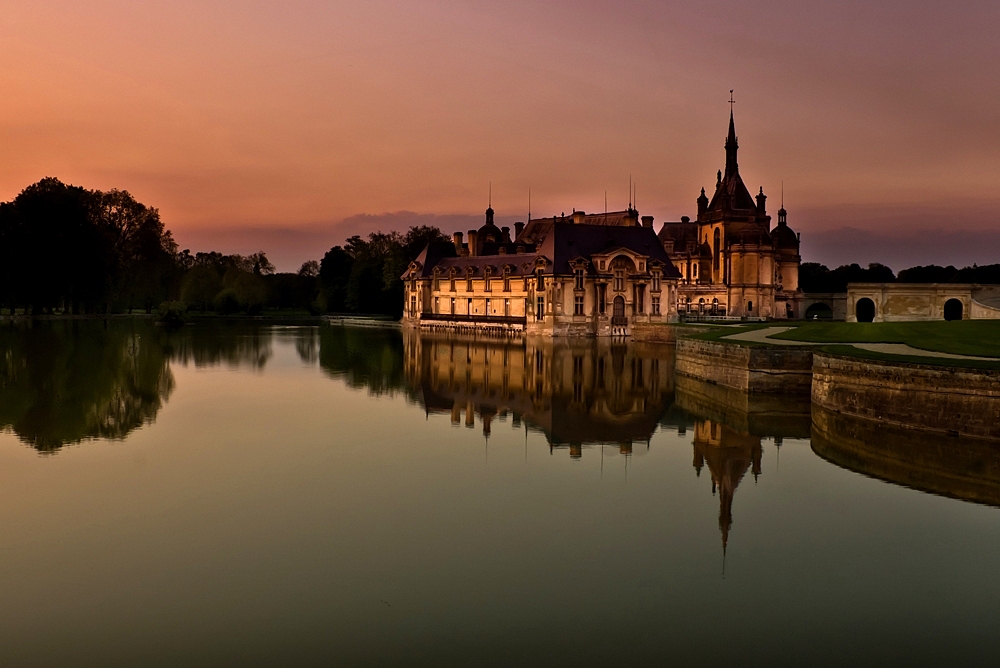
(731, 147)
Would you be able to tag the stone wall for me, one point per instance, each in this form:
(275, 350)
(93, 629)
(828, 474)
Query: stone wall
(941, 399)
(747, 369)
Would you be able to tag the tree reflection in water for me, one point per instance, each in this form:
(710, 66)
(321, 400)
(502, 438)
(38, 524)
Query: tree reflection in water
(66, 381)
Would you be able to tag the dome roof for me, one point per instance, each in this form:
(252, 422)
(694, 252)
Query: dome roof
(783, 236)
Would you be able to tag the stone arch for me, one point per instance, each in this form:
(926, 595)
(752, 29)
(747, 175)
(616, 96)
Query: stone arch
(864, 309)
(953, 309)
(819, 311)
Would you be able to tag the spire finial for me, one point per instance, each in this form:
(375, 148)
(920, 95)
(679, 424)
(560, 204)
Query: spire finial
(491, 195)
(731, 101)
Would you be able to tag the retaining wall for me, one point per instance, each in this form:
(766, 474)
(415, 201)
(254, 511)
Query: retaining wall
(934, 398)
(770, 370)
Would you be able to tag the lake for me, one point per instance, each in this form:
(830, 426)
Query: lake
(267, 495)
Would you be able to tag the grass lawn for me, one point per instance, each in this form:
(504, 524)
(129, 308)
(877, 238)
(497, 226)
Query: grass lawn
(965, 337)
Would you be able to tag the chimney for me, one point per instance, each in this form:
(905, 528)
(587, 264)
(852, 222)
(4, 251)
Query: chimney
(505, 235)
(457, 239)
(472, 243)
(518, 228)
(647, 221)
(685, 219)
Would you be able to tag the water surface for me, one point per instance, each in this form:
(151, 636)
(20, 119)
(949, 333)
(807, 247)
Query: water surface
(292, 495)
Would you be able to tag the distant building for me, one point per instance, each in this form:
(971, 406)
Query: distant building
(731, 261)
(578, 275)
(893, 302)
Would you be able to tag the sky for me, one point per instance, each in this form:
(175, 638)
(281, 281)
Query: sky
(288, 126)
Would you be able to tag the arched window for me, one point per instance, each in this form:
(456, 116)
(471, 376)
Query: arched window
(715, 306)
(716, 242)
(749, 307)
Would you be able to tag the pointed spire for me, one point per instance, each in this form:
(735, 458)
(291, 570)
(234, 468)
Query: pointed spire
(732, 146)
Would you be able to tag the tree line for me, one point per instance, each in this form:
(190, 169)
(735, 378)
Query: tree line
(66, 249)
(815, 277)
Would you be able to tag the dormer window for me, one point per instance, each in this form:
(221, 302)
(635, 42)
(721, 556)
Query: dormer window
(578, 277)
(539, 280)
(656, 281)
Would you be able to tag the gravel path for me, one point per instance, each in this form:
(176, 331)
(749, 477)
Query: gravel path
(763, 336)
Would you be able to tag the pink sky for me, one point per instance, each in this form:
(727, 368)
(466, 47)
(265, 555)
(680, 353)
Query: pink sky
(284, 126)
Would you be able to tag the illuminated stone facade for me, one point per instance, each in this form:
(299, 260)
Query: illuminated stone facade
(731, 261)
(579, 275)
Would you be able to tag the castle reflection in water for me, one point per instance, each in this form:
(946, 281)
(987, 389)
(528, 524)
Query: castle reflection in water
(578, 393)
(71, 381)
(590, 392)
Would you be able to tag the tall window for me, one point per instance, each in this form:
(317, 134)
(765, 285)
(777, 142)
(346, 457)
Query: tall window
(506, 312)
(452, 277)
(468, 283)
(436, 305)
(539, 280)
(640, 299)
(540, 308)
(488, 307)
(619, 280)
(715, 250)
(656, 304)
(525, 288)
(656, 281)
(413, 304)
(486, 279)
(453, 306)
(468, 306)
(578, 305)
(578, 275)
(506, 279)
(749, 307)
(437, 281)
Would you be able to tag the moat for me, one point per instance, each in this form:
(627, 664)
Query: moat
(222, 494)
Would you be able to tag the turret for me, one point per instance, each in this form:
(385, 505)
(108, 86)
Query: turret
(702, 202)
(761, 200)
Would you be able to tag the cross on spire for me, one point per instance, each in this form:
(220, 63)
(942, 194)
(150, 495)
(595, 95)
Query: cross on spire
(731, 101)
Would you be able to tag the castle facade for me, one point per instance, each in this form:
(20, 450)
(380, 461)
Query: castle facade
(604, 274)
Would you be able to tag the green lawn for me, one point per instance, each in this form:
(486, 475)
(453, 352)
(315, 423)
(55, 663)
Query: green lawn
(966, 337)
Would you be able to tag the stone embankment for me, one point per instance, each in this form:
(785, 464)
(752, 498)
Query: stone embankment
(934, 398)
(756, 370)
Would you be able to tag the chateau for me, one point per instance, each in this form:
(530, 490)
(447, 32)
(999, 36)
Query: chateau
(604, 274)
(732, 262)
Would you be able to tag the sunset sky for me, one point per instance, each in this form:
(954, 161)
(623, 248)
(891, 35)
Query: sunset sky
(286, 126)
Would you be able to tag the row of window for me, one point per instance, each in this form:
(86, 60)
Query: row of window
(578, 279)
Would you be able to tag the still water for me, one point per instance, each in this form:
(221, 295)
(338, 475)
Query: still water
(236, 495)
